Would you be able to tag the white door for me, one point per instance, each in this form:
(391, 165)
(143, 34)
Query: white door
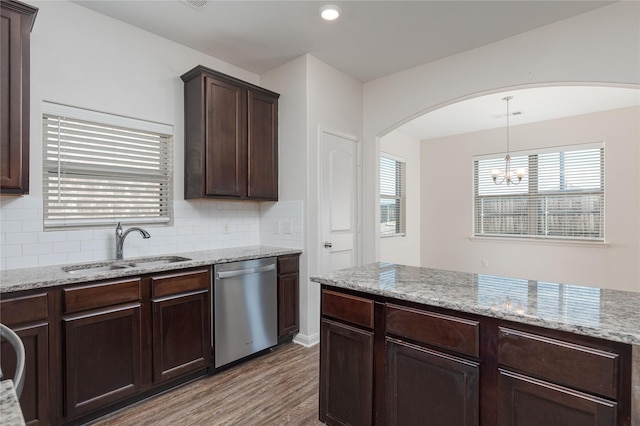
(339, 201)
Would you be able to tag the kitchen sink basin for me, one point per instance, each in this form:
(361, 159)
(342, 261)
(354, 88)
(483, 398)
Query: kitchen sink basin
(148, 262)
(103, 267)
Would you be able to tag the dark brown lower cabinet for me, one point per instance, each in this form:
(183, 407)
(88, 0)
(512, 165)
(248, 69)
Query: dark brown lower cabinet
(28, 316)
(346, 374)
(288, 296)
(440, 367)
(525, 401)
(429, 387)
(180, 324)
(102, 357)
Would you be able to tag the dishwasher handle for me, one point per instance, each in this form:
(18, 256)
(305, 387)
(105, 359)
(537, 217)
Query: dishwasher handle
(247, 271)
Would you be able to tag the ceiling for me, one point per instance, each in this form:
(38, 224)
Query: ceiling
(370, 40)
(373, 39)
(532, 104)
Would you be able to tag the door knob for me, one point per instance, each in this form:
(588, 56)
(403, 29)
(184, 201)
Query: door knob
(327, 244)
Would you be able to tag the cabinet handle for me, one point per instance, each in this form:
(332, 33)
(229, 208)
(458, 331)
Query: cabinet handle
(327, 244)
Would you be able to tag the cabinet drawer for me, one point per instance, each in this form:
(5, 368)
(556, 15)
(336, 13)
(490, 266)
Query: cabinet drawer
(287, 264)
(561, 362)
(444, 331)
(181, 282)
(348, 308)
(94, 296)
(24, 309)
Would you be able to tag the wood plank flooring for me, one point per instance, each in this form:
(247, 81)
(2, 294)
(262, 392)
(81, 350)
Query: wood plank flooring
(279, 388)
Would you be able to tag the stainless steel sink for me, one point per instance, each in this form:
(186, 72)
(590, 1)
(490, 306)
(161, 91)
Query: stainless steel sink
(103, 267)
(148, 262)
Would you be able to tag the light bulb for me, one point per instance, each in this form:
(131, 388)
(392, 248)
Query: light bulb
(330, 12)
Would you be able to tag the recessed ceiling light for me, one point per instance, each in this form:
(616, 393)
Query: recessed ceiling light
(330, 12)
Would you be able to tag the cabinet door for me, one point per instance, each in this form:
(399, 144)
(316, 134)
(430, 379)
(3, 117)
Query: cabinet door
(15, 25)
(180, 335)
(525, 401)
(288, 304)
(101, 357)
(425, 384)
(34, 400)
(225, 151)
(28, 316)
(262, 143)
(346, 374)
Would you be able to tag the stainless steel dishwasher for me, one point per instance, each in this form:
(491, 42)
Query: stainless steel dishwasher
(245, 319)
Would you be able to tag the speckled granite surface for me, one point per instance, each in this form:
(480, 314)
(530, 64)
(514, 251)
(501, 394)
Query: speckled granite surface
(10, 412)
(606, 314)
(50, 276)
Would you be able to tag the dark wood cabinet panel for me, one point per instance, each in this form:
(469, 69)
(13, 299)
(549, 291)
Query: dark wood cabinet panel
(262, 146)
(444, 331)
(288, 296)
(181, 332)
(34, 400)
(346, 374)
(102, 362)
(345, 307)
(225, 148)
(28, 316)
(288, 304)
(525, 401)
(231, 137)
(425, 384)
(565, 363)
(15, 27)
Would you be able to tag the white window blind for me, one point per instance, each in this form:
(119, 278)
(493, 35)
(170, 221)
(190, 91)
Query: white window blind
(99, 169)
(392, 196)
(561, 197)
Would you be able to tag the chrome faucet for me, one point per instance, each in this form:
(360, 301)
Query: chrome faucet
(120, 236)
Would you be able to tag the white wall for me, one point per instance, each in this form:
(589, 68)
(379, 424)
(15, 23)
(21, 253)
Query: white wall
(290, 80)
(313, 95)
(601, 47)
(84, 59)
(447, 207)
(405, 249)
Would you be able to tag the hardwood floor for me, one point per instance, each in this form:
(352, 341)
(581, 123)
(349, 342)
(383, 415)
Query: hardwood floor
(280, 388)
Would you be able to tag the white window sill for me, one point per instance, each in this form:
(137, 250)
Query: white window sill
(541, 241)
(392, 235)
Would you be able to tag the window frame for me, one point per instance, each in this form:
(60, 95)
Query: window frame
(533, 196)
(400, 196)
(156, 170)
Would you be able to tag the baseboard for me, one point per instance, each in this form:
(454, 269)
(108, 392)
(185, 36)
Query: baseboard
(307, 341)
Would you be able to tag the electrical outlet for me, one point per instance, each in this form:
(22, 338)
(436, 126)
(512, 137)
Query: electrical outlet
(226, 229)
(485, 263)
(287, 227)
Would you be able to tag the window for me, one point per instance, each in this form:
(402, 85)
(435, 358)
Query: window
(392, 196)
(99, 169)
(562, 195)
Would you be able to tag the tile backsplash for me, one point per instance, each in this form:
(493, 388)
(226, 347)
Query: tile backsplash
(197, 225)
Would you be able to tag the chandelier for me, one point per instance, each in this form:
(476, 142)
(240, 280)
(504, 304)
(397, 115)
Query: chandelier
(507, 175)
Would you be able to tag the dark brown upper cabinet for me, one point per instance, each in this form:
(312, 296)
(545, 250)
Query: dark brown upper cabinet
(17, 21)
(231, 138)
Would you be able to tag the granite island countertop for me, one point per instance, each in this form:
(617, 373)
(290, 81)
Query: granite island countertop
(10, 411)
(607, 314)
(12, 280)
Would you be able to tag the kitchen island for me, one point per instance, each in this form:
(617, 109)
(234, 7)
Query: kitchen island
(401, 343)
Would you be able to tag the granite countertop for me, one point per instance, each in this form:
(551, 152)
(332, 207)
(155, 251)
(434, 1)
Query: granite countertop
(10, 411)
(607, 314)
(12, 280)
